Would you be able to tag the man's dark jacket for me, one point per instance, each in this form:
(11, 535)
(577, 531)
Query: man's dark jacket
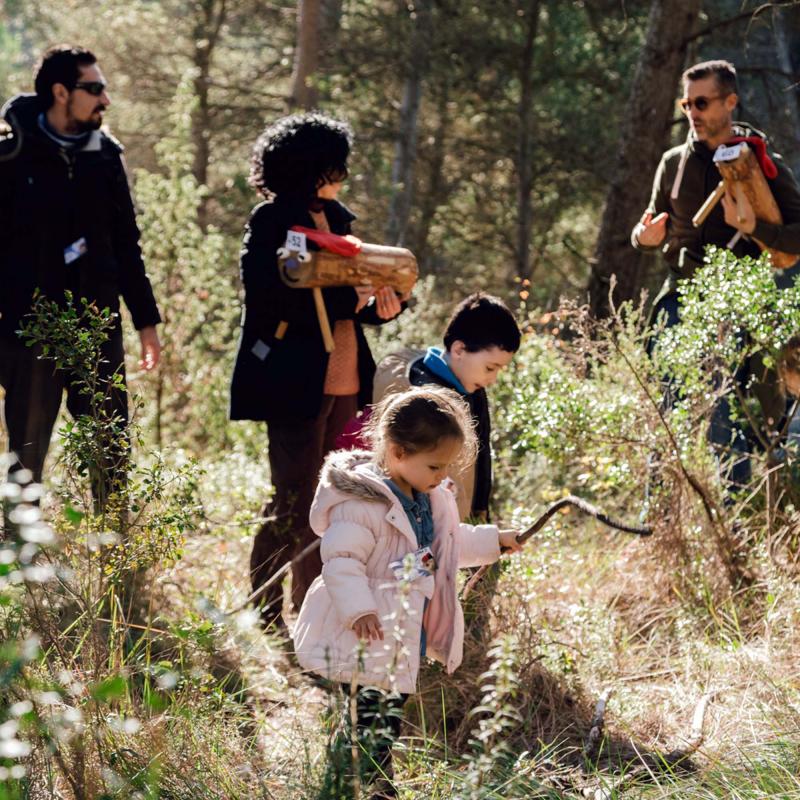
(49, 199)
(282, 380)
(699, 178)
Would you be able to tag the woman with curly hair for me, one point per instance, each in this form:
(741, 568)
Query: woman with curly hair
(283, 374)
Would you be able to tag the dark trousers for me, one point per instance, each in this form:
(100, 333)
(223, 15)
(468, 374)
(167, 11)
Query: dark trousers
(725, 432)
(296, 452)
(379, 718)
(33, 392)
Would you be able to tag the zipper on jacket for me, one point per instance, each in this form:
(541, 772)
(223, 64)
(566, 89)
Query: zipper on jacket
(69, 161)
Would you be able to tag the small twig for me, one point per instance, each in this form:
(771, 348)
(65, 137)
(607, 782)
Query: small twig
(697, 734)
(256, 520)
(591, 746)
(708, 505)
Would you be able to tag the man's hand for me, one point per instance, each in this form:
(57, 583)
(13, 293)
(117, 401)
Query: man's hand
(368, 628)
(732, 209)
(650, 232)
(509, 543)
(151, 348)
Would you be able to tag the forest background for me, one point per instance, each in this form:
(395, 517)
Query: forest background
(511, 145)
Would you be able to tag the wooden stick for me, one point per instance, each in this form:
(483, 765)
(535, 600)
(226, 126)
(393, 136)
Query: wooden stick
(740, 201)
(700, 217)
(280, 331)
(322, 316)
(591, 746)
(697, 735)
(569, 500)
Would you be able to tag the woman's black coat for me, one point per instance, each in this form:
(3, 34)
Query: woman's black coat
(282, 380)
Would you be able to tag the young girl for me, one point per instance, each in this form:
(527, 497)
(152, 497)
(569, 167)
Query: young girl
(283, 374)
(391, 546)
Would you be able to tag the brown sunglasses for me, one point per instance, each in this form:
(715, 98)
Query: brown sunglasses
(700, 103)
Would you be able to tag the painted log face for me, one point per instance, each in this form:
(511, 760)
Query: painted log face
(742, 175)
(375, 265)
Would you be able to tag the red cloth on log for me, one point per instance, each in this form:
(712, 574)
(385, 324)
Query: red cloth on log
(347, 246)
(760, 146)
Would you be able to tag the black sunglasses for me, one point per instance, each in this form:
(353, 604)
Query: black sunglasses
(95, 88)
(700, 103)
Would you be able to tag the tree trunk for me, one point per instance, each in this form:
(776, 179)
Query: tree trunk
(648, 113)
(207, 29)
(782, 24)
(437, 187)
(525, 144)
(406, 146)
(306, 55)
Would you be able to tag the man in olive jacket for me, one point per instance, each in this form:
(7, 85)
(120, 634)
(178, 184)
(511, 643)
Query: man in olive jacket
(684, 179)
(68, 224)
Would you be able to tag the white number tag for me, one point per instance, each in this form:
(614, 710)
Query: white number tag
(297, 242)
(723, 153)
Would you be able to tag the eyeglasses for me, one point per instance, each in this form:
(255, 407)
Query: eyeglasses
(700, 103)
(95, 88)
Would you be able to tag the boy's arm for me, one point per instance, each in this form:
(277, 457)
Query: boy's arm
(346, 546)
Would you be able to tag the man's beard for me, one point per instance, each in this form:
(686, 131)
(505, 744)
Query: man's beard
(78, 126)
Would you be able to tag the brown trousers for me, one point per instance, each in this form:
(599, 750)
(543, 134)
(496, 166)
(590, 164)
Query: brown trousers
(296, 453)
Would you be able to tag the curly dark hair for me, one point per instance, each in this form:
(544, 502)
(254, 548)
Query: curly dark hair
(295, 155)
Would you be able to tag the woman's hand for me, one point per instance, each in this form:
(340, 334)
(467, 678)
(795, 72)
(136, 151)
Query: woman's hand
(387, 303)
(368, 628)
(509, 543)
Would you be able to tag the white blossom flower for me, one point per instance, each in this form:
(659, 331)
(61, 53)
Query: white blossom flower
(25, 514)
(20, 708)
(8, 730)
(14, 748)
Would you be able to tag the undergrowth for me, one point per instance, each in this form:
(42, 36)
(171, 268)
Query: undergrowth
(127, 671)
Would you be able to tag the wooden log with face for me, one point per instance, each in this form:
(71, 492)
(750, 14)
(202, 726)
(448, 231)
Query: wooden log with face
(375, 265)
(743, 178)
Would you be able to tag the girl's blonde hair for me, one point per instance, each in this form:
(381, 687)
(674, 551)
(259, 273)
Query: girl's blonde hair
(418, 419)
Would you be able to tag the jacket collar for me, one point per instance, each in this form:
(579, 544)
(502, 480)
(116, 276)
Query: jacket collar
(348, 474)
(22, 114)
(739, 129)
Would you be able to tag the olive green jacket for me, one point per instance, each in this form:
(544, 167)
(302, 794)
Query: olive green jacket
(685, 177)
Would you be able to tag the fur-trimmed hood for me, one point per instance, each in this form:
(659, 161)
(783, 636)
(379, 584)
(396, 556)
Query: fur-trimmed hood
(349, 475)
(352, 472)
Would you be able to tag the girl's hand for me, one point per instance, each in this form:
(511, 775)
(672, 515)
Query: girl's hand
(651, 231)
(368, 628)
(508, 542)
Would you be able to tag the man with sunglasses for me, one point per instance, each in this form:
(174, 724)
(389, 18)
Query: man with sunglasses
(687, 175)
(684, 179)
(68, 225)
